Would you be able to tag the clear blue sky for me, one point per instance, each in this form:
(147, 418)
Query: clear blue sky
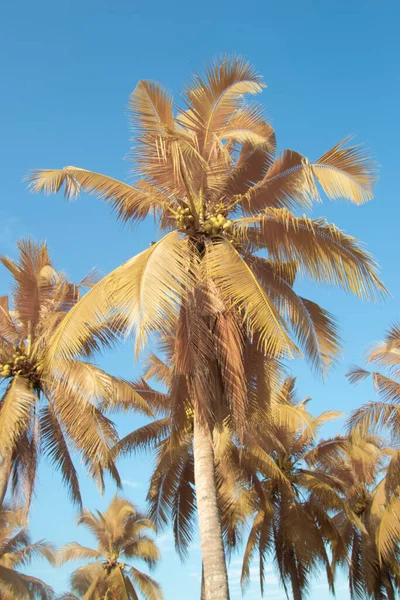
(67, 70)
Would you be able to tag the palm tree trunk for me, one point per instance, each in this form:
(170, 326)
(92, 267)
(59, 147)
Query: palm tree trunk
(5, 470)
(212, 548)
(297, 595)
(203, 589)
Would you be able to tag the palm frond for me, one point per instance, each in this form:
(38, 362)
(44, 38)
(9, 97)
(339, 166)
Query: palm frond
(319, 249)
(127, 201)
(74, 551)
(147, 289)
(15, 409)
(147, 585)
(56, 448)
(239, 286)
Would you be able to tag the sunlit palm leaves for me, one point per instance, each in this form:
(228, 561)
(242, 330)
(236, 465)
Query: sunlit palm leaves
(192, 169)
(384, 415)
(59, 408)
(16, 552)
(291, 505)
(209, 173)
(122, 536)
(368, 533)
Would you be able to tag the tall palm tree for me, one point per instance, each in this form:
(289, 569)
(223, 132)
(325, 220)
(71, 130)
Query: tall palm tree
(51, 410)
(210, 176)
(16, 551)
(292, 500)
(122, 535)
(361, 464)
(248, 472)
(172, 491)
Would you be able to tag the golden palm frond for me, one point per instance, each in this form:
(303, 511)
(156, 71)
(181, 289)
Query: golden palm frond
(237, 283)
(16, 407)
(127, 201)
(218, 95)
(291, 180)
(318, 248)
(315, 328)
(17, 551)
(55, 446)
(147, 289)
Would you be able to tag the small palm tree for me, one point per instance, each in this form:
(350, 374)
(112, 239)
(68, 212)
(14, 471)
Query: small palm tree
(211, 177)
(16, 551)
(52, 410)
(364, 548)
(122, 535)
(380, 416)
(292, 498)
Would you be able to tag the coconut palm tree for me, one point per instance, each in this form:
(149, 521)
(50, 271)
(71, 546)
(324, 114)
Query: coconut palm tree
(241, 465)
(122, 535)
(210, 176)
(51, 410)
(17, 551)
(373, 563)
(292, 500)
(383, 416)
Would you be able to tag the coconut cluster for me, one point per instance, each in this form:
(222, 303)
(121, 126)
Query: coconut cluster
(19, 364)
(184, 219)
(112, 563)
(216, 224)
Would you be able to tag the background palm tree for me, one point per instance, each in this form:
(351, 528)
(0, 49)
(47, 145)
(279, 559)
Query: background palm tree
(59, 408)
(361, 465)
(122, 535)
(211, 178)
(293, 499)
(16, 552)
(383, 416)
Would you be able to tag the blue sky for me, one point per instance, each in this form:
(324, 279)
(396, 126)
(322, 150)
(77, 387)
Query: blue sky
(67, 71)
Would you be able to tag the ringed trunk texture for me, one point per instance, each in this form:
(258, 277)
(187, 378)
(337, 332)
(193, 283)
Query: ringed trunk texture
(215, 575)
(5, 470)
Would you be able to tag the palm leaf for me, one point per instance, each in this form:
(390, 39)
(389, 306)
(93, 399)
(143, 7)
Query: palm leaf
(239, 287)
(56, 448)
(147, 289)
(147, 585)
(74, 551)
(128, 202)
(15, 409)
(321, 250)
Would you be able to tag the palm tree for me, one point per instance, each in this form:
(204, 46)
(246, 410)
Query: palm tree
(211, 178)
(292, 500)
(172, 492)
(384, 416)
(246, 475)
(122, 534)
(58, 409)
(16, 551)
(373, 563)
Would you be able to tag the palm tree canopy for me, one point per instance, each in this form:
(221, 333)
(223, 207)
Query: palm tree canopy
(17, 551)
(293, 496)
(210, 175)
(378, 416)
(55, 408)
(122, 536)
(368, 529)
